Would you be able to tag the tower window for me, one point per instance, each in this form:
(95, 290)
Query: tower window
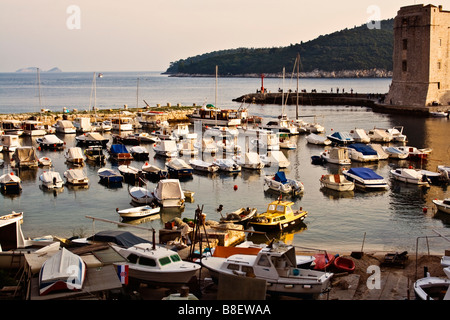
(405, 44)
(439, 65)
(439, 85)
(404, 65)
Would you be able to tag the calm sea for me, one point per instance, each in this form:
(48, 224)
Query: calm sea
(391, 220)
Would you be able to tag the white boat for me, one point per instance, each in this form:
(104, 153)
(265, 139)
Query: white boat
(210, 115)
(50, 141)
(366, 179)
(45, 162)
(439, 114)
(204, 166)
(144, 137)
(62, 271)
(129, 173)
(276, 264)
(166, 148)
(139, 153)
(101, 126)
(178, 168)
(395, 153)
(408, 175)
(33, 128)
(186, 147)
(362, 153)
(153, 172)
(444, 171)
(397, 134)
(261, 138)
(141, 195)
(9, 143)
(65, 126)
(138, 212)
(275, 158)
(360, 136)
(278, 182)
(207, 145)
(92, 139)
(316, 139)
(341, 137)
(10, 183)
(12, 127)
(416, 153)
(82, 124)
(51, 180)
(282, 124)
(382, 155)
(155, 264)
(168, 193)
(227, 165)
(75, 156)
(442, 205)
(76, 177)
(336, 155)
(122, 123)
(336, 182)
(432, 288)
(181, 132)
(379, 135)
(313, 127)
(250, 160)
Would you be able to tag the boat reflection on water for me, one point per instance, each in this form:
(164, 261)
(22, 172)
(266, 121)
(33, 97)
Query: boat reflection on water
(54, 191)
(335, 195)
(168, 214)
(134, 222)
(285, 236)
(275, 195)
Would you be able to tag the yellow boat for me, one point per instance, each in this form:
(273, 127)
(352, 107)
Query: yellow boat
(278, 216)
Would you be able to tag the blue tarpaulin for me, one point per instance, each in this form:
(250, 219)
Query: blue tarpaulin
(280, 177)
(364, 149)
(365, 173)
(118, 148)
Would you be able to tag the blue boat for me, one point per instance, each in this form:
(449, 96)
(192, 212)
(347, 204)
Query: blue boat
(109, 176)
(362, 153)
(366, 179)
(340, 137)
(119, 152)
(179, 168)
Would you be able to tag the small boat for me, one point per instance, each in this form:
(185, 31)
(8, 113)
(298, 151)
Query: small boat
(95, 154)
(155, 264)
(62, 271)
(323, 261)
(74, 155)
(379, 135)
(382, 155)
(122, 123)
(278, 182)
(181, 132)
(82, 124)
(342, 264)
(130, 174)
(275, 158)
(65, 126)
(203, 166)
(138, 212)
(144, 137)
(360, 136)
(45, 162)
(442, 205)
(336, 182)
(336, 155)
(397, 134)
(127, 139)
(409, 175)
(282, 124)
(168, 193)
(444, 171)
(118, 152)
(432, 288)
(139, 153)
(415, 153)
(10, 183)
(439, 114)
(316, 139)
(366, 179)
(153, 172)
(141, 195)
(166, 148)
(362, 153)
(12, 127)
(278, 216)
(25, 158)
(108, 176)
(285, 142)
(101, 126)
(227, 165)
(33, 128)
(239, 216)
(207, 145)
(178, 168)
(50, 141)
(92, 139)
(395, 153)
(187, 147)
(250, 160)
(9, 143)
(433, 177)
(76, 177)
(51, 180)
(341, 137)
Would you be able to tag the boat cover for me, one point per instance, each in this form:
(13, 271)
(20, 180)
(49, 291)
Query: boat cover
(95, 136)
(280, 177)
(365, 173)
(122, 238)
(51, 139)
(77, 174)
(108, 173)
(167, 145)
(252, 157)
(48, 176)
(364, 149)
(393, 150)
(65, 124)
(169, 189)
(138, 149)
(118, 148)
(75, 153)
(178, 164)
(9, 177)
(25, 154)
(344, 136)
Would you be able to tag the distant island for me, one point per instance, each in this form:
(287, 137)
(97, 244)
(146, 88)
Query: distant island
(357, 52)
(34, 69)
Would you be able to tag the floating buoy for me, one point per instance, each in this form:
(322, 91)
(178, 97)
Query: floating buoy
(235, 187)
(425, 210)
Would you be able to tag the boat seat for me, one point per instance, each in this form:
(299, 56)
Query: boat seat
(337, 178)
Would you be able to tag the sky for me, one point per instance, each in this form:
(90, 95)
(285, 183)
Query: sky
(147, 35)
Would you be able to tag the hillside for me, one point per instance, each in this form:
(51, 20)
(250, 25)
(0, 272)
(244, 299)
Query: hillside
(359, 48)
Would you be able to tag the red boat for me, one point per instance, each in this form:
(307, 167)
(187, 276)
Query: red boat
(323, 261)
(342, 264)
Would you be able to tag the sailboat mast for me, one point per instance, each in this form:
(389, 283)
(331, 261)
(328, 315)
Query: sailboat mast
(282, 94)
(137, 94)
(39, 88)
(215, 103)
(298, 64)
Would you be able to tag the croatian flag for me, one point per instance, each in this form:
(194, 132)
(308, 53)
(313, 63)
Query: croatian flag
(122, 272)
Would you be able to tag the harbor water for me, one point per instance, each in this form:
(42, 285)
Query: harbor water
(393, 220)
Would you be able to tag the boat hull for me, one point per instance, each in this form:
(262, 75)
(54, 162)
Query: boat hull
(138, 212)
(441, 206)
(271, 227)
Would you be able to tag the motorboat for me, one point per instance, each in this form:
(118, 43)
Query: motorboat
(382, 155)
(76, 177)
(316, 139)
(210, 115)
(207, 145)
(240, 216)
(126, 138)
(74, 155)
(409, 175)
(181, 132)
(45, 162)
(168, 193)
(203, 166)
(379, 135)
(444, 171)
(279, 216)
(129, 173)
(101, 126)
(250, 160)
(360, 136)
(279, 183)
(138, 212)
(261, 139)
(275, 158)
(65, 126)
(282, 124)
(12, 127)
(366, 179)
(51, 142)
(336, 155)
(397, 134)
(166, 148)
(25, 158)
(179, 168)
(153, 172)
(313, 127)
(276, 264)
(144, 137)
(395, 153)
(186, 147)
(62, 271)
(10, 183)
(164, 133)
(439, 114)
(92, 139)
(336, 182)
(227, 165)
(33, 128)
(139, 153)
(121, 123)
(82, 124)
(432, 288)
(442, 205)
(108, 176)
(362, 153)
(341, 137)
(431, 176)
(118, 152)
(141, 195)
(415, 153)
(285, 142)
(95, 154)
(155, 264)
(9, 142)
(51, 180)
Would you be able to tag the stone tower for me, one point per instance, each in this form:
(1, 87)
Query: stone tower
(421, 75)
